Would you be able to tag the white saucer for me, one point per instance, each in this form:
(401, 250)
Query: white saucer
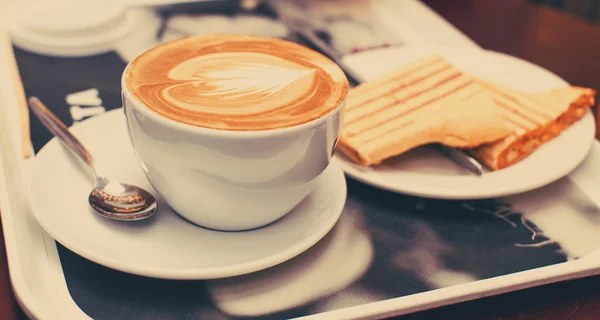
(165, 246)
(70, 28)
(426, 172)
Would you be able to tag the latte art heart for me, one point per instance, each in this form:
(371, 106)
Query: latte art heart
(235, 82)
(238, 83)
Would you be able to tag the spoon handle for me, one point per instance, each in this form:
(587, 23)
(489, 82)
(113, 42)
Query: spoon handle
(59, 129)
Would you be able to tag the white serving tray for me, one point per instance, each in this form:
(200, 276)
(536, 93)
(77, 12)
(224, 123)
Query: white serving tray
(37, 276)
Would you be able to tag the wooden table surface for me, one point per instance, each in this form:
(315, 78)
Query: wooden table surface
(564, 44)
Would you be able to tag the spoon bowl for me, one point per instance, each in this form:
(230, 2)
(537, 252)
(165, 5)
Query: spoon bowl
(119, 201)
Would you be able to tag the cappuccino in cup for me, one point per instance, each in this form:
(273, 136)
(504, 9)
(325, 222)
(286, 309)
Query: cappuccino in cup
(233, 130)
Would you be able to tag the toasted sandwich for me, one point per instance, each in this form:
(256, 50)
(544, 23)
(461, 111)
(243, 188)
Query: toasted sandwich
(535, 118)
(426, 101)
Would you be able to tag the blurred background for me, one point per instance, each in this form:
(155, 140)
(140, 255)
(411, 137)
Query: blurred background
(587, 9)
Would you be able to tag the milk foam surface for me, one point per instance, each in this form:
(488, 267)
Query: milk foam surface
(236, 82)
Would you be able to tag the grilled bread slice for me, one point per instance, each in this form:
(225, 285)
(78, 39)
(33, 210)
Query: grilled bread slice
(535, 118)
(426, 101)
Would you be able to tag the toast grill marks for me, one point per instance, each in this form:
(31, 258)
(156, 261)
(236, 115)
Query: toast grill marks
(534, 118)
(427, 101)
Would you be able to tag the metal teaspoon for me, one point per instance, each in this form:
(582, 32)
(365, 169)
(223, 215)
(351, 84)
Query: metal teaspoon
(113, 200)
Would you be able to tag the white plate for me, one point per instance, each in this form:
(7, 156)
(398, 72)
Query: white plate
(166, 246)
(425, 172)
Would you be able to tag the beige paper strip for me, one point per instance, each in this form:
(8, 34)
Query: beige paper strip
(19, 95)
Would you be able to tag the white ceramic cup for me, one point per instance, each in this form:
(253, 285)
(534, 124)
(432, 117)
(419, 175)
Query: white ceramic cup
(230, 180)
